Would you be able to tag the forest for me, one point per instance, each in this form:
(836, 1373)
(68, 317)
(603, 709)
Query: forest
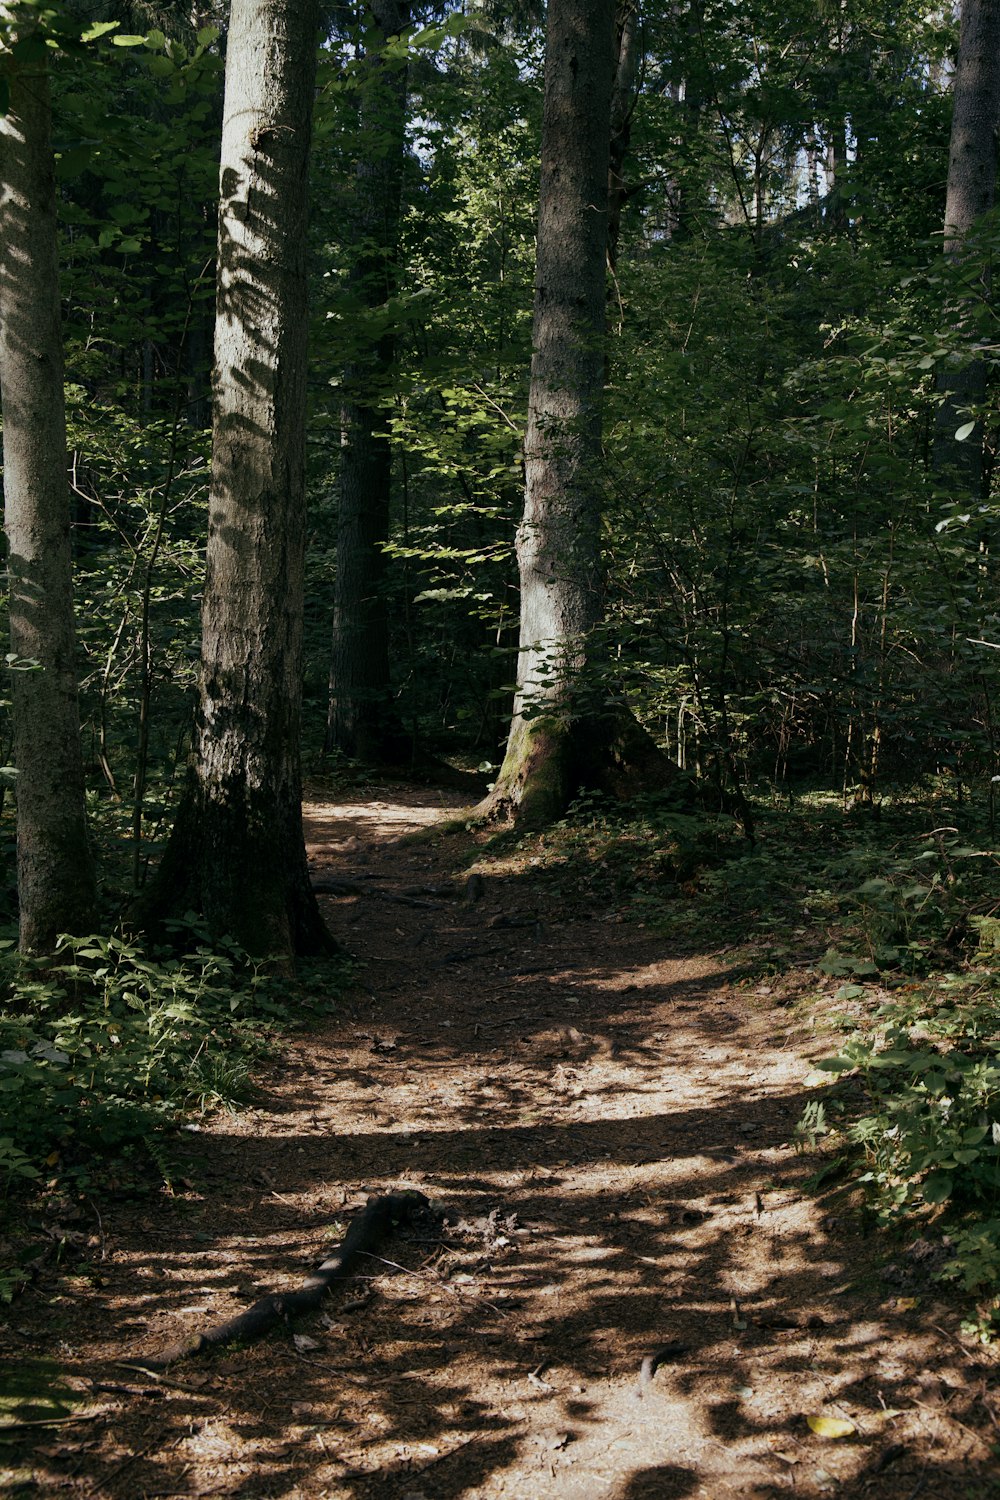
(498, 503)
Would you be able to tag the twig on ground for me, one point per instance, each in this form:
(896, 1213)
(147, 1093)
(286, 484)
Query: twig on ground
(376, 1221)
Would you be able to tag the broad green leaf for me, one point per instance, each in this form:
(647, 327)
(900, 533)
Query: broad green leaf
(964, 431)
(937, 1187)
(29, 49)
(99, 28)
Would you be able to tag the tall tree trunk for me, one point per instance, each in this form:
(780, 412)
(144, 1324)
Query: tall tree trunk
(236, 854)
(558, 548)
(55, 873)
(971, 193)
(361, 720)
(623, 96)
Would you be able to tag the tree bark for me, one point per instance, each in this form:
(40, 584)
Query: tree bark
(236, 855)
(558, 545)
(971, 193)
(361, 720)
(623, 95)
(565, 734)
(55, 872)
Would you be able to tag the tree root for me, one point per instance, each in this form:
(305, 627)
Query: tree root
(369, 1229)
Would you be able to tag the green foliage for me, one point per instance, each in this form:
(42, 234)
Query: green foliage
(107, 1046)
(928, 1129)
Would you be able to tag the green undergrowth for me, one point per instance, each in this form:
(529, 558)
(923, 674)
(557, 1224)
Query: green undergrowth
(884, 925)
(914, 1117)
(638, 855)
(905, 906)
(104, 1050)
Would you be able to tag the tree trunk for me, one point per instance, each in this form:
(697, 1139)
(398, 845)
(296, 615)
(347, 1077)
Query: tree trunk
(971, 193)
(623, 95)
(236, 854)
(558, 548)
(55, 873)
(361, 721)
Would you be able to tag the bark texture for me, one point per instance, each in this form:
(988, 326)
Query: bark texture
(55, 873)
(237, 854)
(971, 193)
(558, 551)
(361, 721)
(563, 734)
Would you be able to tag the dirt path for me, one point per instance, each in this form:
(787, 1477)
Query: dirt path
(609, 1130)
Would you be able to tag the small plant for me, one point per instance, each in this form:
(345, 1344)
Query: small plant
(105, 1048)
(927, 1139)
(812, 1127)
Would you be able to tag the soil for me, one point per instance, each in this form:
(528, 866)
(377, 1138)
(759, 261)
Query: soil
(605, 1127)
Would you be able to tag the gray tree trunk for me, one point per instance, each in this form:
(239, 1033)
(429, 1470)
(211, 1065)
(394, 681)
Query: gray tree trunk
(558, 544)
(55, 873)
(236, 854)
(972, 168)
(361, 721)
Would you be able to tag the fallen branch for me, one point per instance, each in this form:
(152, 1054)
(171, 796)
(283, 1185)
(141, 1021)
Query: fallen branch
(13, 1424)
(373, 1224)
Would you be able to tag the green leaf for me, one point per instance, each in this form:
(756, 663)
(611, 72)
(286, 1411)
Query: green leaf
(963, 431)
(99, 28)
(937, 1187)
(29, 49)
(128, 41)
(71, 163)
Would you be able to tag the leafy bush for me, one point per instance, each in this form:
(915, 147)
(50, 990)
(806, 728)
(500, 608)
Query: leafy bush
(104, 1048)
(929, 1129)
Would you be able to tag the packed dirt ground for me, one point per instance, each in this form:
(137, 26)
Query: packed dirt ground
(628, 1293)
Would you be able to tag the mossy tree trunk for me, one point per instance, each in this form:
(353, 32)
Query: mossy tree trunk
(972, 170)
(55, 873)
(361, 720)
(236, 855)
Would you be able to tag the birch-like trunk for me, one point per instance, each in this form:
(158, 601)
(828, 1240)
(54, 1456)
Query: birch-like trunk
(972, 170)
(237, 854)
(361, 720)
(55, 873)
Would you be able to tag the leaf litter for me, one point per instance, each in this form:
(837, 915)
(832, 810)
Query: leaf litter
(574, 1104)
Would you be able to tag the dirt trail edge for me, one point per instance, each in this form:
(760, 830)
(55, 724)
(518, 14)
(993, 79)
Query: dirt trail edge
(630, 1295)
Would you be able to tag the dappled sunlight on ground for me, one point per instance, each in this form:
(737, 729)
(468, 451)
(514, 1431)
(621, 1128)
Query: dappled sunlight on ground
(609, 1134)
